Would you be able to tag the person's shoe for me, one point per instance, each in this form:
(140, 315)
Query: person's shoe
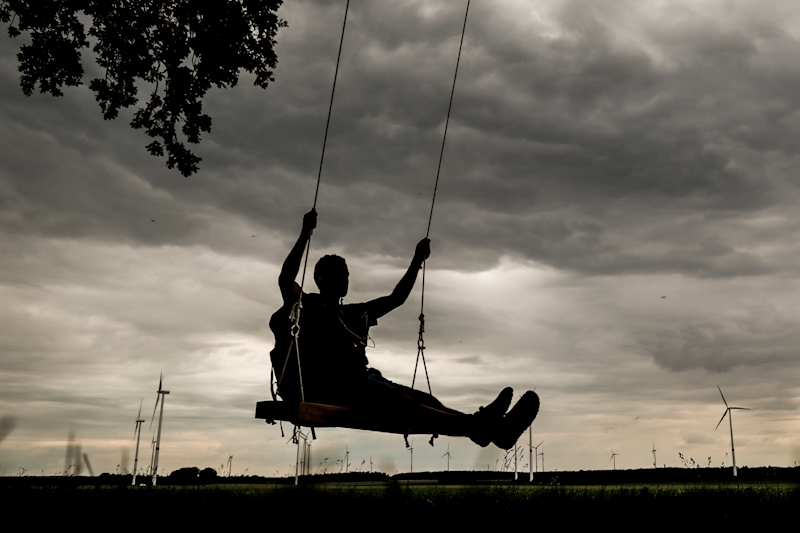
(486, 419)
(516, 421)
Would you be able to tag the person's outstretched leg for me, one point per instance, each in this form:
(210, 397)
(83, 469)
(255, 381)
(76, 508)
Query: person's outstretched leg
(411, 405)
(480, 427)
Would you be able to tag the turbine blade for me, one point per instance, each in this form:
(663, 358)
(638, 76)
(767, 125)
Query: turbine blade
(160, 379)
(742, 408)
(723, 396)
(140, 409)
(721, 419)
(154, 411)
(88, 464)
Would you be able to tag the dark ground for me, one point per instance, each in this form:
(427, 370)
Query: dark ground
(666, 497)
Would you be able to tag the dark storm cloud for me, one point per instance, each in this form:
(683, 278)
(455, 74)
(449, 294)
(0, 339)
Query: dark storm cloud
(576, 147)
(746, 337)
(597, 141)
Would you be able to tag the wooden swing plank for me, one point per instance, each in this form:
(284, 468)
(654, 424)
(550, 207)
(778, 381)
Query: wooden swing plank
(320, 415)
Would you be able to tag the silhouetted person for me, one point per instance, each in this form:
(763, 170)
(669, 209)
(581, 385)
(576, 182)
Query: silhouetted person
(332, 340)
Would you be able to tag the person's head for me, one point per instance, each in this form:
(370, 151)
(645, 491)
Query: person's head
(332, 276)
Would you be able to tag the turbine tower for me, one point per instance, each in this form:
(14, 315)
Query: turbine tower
(730, 420)
(306, 455)
(230, 464)
(655, 463)
(137, 432)
(411, 449)
(301, 439)
(152, 453)
(530, 452)
(448, 456)
(161, 394)
(614, 458)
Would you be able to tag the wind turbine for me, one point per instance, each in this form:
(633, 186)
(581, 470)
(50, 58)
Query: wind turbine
(411, 449)
(730, 420)
(536, 459)
(161, 394)
(614, 458)
(448, 456)
(346, 459)
(542, 454)
(655, 463)
(137, 432)
(230, 464)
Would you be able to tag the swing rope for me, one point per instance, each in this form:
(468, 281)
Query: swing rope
(421, 339)
(298, 306)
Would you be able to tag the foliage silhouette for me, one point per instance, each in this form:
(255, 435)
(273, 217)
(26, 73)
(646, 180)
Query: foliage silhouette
(182, 476)
(207, 475)
(180, 47)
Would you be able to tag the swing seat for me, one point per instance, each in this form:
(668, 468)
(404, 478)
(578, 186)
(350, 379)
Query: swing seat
(330, 416)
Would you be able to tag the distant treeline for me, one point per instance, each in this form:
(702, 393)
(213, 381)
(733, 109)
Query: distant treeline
(193, 476)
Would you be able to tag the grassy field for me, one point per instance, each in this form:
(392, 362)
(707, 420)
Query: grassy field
(398, 504)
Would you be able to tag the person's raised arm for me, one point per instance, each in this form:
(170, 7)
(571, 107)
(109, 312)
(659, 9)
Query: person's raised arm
(291, 266)
(381, 306)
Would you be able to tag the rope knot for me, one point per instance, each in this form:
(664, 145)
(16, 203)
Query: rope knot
(294, 316)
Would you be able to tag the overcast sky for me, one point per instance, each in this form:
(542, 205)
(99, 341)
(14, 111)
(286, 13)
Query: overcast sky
(616, 225)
